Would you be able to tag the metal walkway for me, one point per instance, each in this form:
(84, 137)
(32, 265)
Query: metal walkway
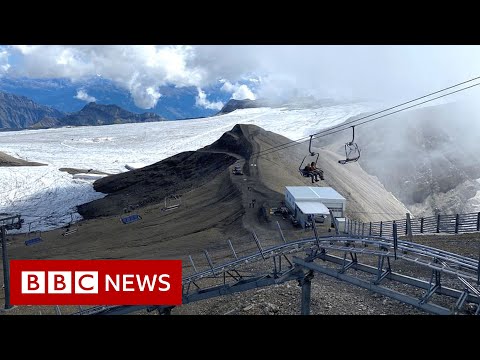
(452, 278)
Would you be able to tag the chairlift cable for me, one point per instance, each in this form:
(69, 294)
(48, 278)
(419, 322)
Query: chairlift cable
(343, 126)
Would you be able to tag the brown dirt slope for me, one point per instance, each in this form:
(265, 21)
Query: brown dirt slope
(367, 199)
(7, 160)
(151, 184)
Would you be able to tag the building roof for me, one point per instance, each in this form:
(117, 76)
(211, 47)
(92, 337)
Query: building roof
(313, 193)
(309, 207)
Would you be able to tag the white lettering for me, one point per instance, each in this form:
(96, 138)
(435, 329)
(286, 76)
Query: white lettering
(86, 282)
(33, 282)
(127, 282)
(166, 283)
(115, 284)
(59, 282)
(146, 281)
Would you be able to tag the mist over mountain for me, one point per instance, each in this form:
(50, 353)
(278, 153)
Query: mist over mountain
(291, 103)
(428, 157)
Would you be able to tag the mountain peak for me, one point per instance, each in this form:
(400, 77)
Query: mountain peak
(19, 112)
(96, 106)
(100, 114)
(233, 105)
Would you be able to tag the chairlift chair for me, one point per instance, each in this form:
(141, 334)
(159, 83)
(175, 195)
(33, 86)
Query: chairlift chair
(352, 152)
(33, 237)
(301, 168)
(172, 202)
(71, 227)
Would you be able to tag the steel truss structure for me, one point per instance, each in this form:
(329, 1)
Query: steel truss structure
(337, 256)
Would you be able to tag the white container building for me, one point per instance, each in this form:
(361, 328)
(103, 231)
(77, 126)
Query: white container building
(309, 202)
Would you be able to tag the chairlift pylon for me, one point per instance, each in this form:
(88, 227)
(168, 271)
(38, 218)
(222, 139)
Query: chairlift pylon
(352, 152)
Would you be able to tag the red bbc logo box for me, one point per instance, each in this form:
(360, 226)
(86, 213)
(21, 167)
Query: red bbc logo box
(95, 282)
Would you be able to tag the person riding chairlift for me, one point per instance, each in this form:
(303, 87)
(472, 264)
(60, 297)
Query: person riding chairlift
(311, 172)
(316, 170)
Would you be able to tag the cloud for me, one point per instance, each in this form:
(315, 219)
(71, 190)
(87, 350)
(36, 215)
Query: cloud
(227, 86)
(243, 92)
(82, 95)
(201, 100)
(140, 69)
(396, 72)
(4, 65)
(239, 92)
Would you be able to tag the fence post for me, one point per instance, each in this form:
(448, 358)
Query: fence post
(438, 223)
(478, 221)
(381, 226)
(478, 269)
(408, 227)
(363, 228)
(457, 220)
(395, 238)
(370, 230)
(421, 225)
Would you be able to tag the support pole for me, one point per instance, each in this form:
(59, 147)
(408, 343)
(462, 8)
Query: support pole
(6, 269)
(281, 233)
(395, 239)
(478, 273)
(231, 248)
(306, 284)
(258, 244)
(209, 261)
(193, 264)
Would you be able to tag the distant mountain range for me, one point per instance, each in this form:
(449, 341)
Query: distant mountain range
(19, 112)
(60, 94)
(95, 114)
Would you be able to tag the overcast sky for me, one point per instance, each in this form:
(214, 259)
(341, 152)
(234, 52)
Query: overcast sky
(393, 73)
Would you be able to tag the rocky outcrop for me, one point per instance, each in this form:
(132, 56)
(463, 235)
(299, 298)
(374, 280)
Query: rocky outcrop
(19, 112)
(96, 114)
(233, 105)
